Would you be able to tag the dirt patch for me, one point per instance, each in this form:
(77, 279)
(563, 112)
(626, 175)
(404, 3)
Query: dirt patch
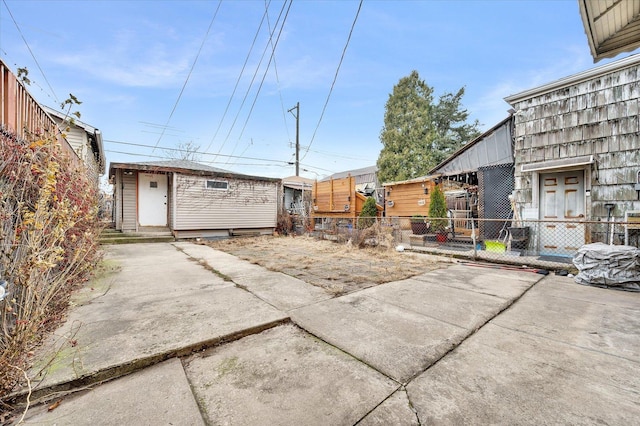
(339, 268)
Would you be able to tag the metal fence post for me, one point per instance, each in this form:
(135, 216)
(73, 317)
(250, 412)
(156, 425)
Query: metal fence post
(473, 239)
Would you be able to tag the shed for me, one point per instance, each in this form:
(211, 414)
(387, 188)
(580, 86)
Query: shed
(192, 199)
(365, 181)
(408, 197)
(478, 179)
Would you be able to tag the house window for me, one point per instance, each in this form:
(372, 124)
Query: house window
(217, 184)
(153, 184)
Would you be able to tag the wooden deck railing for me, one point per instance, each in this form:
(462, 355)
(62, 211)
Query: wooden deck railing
(23, 116)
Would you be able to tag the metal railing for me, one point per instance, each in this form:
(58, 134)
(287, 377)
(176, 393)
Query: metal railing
(538, 243)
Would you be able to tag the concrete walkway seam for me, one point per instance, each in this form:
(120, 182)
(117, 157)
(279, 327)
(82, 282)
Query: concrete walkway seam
(46, 394)
(474, 331)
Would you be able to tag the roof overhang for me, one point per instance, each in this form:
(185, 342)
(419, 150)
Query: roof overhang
(564, 163)
(611, 26)
(156, 168)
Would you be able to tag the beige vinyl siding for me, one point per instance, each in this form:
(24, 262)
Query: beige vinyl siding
(117, 200)
(129, 201)
(77, 138)
(246, 204)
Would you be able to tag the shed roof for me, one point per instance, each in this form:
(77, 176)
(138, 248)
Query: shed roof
(184, 167)
(297, 182)
(363, 175)
(490, 148)
(612, 26)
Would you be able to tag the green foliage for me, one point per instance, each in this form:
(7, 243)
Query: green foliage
(368, 214)
(417, 218)
(437, 209)
(418, 134)
(23, 76)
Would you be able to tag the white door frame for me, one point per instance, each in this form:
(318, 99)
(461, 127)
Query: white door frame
(560, 238)
(152, 199)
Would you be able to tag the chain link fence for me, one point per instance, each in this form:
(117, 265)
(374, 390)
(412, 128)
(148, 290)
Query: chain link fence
(535, 243)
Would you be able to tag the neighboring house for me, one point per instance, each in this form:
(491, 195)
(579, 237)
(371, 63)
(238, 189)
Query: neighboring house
(477, 180)
(192, 200)
(296, 195)
(85, 140)
(577, 152)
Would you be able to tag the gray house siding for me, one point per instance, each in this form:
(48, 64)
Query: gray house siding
(246, 204)
(563, 128)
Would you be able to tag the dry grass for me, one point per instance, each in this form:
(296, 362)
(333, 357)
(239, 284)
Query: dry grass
(337, 267)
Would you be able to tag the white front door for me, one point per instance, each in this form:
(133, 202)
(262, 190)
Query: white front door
(152, 199)
(562, 204)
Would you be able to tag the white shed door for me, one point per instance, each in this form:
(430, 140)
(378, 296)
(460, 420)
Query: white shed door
(152, 199)
(562, 204)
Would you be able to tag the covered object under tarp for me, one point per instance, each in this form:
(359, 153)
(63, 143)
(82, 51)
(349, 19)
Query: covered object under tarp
(605, 265)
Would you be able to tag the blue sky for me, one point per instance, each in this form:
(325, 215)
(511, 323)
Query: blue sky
(129, 61)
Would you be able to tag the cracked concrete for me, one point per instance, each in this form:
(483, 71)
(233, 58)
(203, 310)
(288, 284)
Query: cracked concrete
(455, 345)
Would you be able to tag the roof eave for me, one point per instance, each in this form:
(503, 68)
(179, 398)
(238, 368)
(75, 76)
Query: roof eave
(573, 79)
(158, 168)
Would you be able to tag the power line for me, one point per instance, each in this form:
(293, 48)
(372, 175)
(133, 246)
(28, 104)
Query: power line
(189, 75)
(335, 77)
(264, 75)
(246, 60)
(135, 154)
(246, 95)
(275, 68)
(186, 151)
(31, 52)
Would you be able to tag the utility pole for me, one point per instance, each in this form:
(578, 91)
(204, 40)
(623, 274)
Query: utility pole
(297, 116)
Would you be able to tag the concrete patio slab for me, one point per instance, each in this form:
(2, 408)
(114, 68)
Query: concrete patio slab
(564, 354)
(395, 410)
(284, 376)
(142, 319)
(278, 289)
(401, 328)
(225, 263)
(500, 376)
(486, 279)
(593, 318)
(430, 299)
(398, 342)
(158, 395)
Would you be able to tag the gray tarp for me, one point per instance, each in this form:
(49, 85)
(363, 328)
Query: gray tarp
(608, 266)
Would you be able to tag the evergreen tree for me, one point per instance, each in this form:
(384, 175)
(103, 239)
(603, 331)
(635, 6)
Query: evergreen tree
(437, 209)
(418, 134)
(368, 214)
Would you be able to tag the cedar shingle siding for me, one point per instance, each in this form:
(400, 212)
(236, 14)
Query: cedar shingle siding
(596, 116)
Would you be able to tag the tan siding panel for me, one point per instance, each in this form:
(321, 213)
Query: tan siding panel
(246, 204)
(129, 203)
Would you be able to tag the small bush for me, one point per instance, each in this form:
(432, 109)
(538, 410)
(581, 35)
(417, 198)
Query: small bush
(368, 214)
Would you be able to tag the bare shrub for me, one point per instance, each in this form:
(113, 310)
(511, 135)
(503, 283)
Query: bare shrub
(48, 243)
